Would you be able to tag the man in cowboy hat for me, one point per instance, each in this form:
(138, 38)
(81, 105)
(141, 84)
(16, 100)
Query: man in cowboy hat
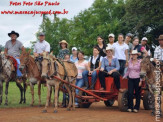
(158, 53)
(40, 46)
(13, 48)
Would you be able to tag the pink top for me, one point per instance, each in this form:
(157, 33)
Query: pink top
(81, 67)
(133, 71)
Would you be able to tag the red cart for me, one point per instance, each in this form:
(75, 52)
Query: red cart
(87, 97)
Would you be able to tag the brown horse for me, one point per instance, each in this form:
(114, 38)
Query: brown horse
(8, 73)
(50, 67)
(148, 72)
(34, 76)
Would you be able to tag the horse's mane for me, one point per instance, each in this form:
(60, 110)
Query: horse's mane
(32, 59)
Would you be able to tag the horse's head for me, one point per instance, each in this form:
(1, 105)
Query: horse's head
(47, 66)
(145, 67)
(24, 59)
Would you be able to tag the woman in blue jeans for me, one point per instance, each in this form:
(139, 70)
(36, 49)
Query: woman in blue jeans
(81, 65)
(94, 64)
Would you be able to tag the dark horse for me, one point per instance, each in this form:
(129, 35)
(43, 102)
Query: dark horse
(7, 73)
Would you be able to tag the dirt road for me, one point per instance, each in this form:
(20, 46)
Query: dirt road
(96, 113)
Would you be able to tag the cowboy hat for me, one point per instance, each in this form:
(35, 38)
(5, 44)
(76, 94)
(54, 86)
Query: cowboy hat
(63, 41)
(13, 32)
(109, 48)
(134, 52)
(160, 37)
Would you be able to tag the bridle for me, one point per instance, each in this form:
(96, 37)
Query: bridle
(49, 66)
(26, 65)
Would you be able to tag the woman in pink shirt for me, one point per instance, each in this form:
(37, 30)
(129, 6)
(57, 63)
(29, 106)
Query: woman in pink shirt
(134, 82)
(81, 65)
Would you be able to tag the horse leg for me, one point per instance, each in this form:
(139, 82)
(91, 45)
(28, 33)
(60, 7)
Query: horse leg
(25, 86)
(21, 91)
(32, 92)
(70, 97)
(1, 91)
(50, 96)
(73, 98)
(39, 93)
(56, 97)
(6, 92)
(47, 99)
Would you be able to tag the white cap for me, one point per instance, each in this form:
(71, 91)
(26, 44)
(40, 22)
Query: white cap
(111, 35)
(144, 39)
(74, 48)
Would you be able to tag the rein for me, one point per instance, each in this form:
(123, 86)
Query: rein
(27, 64)
(49, 66)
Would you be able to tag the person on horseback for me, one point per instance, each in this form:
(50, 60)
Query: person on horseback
(13, 48)
(158, 53)
(40, 46)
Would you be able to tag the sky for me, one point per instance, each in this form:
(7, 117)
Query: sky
(26, 25)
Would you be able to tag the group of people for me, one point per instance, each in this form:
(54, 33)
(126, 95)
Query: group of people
(115, 59)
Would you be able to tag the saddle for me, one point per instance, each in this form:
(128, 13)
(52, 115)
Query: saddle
(38, 61)
(71, 70)
(14, 62)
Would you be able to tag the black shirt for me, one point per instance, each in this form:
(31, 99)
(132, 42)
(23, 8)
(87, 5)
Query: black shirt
(102, 50)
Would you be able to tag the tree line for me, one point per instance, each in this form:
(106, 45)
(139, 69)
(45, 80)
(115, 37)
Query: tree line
(139, 17)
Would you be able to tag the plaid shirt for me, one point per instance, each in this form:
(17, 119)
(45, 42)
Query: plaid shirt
(158, 53)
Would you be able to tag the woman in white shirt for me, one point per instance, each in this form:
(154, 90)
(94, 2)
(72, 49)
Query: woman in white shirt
(121, 53)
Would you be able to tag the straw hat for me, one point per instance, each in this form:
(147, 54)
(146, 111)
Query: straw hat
(160, 37)
(134, 52)
(63, 41)
(109, 48)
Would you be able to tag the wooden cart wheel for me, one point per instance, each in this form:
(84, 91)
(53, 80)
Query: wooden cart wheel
(147, 100)
(123, 100)
(109, 103)
(83, 103)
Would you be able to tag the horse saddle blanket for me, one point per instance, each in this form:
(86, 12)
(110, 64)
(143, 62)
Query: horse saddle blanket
(71, 70)
(14, 62)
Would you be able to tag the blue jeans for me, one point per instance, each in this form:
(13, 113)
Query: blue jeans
(85, 78)
(79, 83)
(19, 74)
(122, 66)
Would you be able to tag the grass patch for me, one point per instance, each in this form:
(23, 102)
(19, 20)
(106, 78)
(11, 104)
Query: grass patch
(14, 96)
